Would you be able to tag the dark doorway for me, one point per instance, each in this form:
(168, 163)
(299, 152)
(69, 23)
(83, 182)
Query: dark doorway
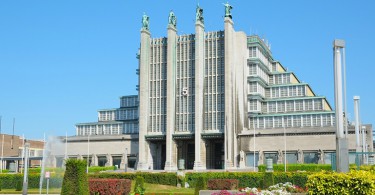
(190, 156)
(163, 155)
(219, 156)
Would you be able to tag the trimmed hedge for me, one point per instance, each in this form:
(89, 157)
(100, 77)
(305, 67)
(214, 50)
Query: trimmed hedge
(355, 182)
(249, 179)
(75, 178)
(109, 186)
(155, 178)
(8, 181)
(200, 185)
(297, 167)
(222, 184)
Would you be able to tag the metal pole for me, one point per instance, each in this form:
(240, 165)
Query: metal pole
(25, 172)
(88, 153)
(2, 153)
(47, 185)
(66, 146)
(284, 146)
(363, 144)
(254, 141)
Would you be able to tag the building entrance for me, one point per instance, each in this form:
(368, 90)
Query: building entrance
(215, 154)
(186, 151)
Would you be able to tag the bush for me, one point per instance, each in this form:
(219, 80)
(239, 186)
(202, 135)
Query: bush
(200, 185)
(75, 178)
(97, 169)
(109, 186)
(355, 182)
(222, 184)
(297, 178)
(139, 187)
(19, 184)
(245, 178)
(155, 178)
(268, 180)
(297, 167)
(181, 180)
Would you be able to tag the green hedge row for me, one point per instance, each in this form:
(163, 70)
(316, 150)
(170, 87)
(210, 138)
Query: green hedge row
(297, 167)
(354, 182)
(9, 181)
(155, 178)
(250, 179)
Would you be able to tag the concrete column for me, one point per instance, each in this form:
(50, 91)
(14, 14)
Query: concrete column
(229, 63)
(357, 125)
(144, 63)
(170, 163)
(199, 94)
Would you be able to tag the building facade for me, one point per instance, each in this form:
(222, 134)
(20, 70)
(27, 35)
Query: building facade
(215, 100)
(211, 100)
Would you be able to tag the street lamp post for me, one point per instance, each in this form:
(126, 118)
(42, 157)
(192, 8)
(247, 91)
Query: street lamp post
(88, 153)
(26, 166)
(342, 152)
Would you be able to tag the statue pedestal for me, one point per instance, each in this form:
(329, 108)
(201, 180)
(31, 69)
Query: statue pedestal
(242, 164)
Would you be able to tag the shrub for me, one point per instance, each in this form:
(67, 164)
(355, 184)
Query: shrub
(139, 187)
(109, 186)
(75, 178)
(97, 169)
(155, 178)
(297, 178)
(19, 184)
(222, 184)
(181, 180)
(268, 180)
(297, 167)
(245, 178)
(355, 182)
(200, 185)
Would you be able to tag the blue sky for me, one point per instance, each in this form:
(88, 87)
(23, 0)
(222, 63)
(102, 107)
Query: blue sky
(61, 61)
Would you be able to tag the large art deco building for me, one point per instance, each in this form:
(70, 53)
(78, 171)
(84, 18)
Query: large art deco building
(216, 100)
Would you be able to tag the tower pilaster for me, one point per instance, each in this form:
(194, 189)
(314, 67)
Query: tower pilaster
(144, 63)
(229, 109)
(171, 156)
(199, 94)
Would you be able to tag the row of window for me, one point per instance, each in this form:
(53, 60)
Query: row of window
(255, 70)
(158, 71)
(109, 115)
(158, 54)
(279, 79)
(157, 123)
(286, 106)
(311, 120)
(106, 129)
(286, 91)
(254, 52)
(129, 101)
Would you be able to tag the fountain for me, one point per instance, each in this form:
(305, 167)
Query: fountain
(52, 147)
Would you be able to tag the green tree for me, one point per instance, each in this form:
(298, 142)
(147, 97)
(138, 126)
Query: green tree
(75, 180)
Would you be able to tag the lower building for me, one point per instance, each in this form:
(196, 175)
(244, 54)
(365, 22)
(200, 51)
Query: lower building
(12, 151)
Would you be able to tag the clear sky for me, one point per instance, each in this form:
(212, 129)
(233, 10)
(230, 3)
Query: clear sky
(62, 60)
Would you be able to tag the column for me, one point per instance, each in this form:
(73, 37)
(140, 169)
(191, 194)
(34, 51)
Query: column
(170, 163)
(144, 63)
(199, 94)
(229, 63)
